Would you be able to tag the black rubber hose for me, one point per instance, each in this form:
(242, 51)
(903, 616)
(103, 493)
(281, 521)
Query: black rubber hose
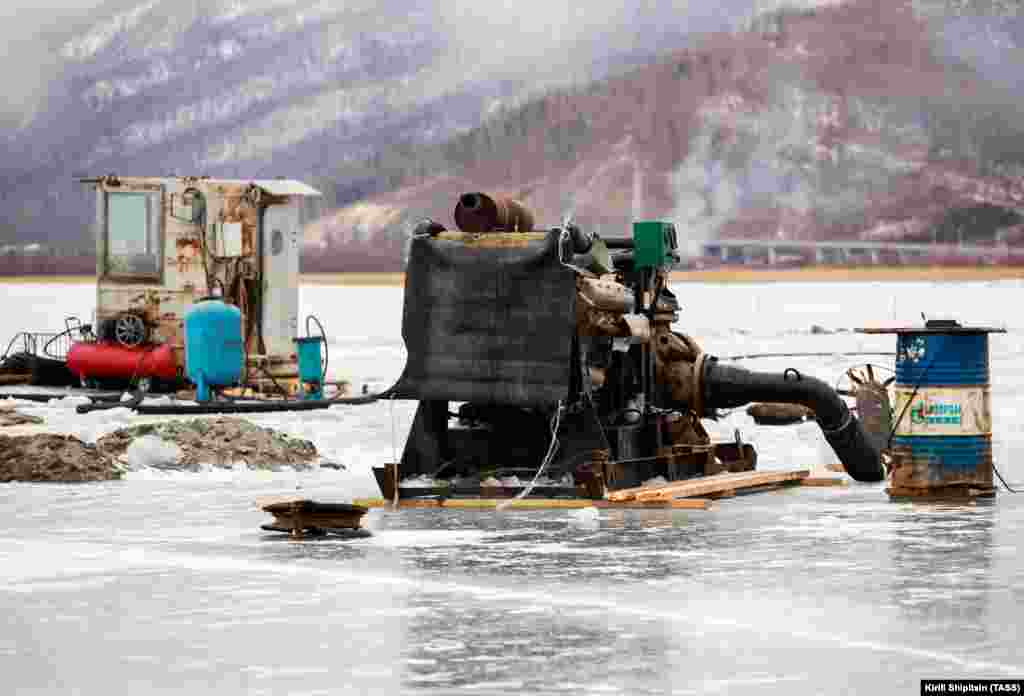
(271, 406)
(44, 397)
(37, 398)
(618, 242)
(132, 403)
(726, 386)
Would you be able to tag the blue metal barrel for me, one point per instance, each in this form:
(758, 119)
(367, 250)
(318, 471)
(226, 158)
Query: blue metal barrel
(942, 440)
(942, 359)
(213, 345)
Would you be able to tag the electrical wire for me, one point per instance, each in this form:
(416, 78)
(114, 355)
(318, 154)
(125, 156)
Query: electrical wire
(323, 335)
(597, 419)
(822, 354)
(920, 381)
(1008, 487)
(556, 421)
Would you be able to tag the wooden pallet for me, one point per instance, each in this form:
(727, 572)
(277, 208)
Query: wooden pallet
(720, 485)
(693, 494)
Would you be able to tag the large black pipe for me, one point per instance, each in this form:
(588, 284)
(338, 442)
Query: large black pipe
(725, 386)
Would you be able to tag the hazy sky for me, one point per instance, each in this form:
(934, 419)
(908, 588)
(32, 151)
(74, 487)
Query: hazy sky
(38, 12)
(21, 22)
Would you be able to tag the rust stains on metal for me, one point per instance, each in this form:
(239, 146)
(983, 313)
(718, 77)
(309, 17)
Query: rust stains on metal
(927, 475)
(242, 208)
(478, 213)
(248, 239)
(188, 251)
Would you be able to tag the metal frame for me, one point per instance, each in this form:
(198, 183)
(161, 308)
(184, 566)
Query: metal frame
(104, 235)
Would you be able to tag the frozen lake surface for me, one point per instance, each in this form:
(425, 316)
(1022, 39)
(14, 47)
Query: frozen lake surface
(164, 583)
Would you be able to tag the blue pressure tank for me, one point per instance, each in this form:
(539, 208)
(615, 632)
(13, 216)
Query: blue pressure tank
(213, 345)
(942, 436)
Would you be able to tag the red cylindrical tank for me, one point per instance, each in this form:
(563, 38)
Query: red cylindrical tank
(113, 361)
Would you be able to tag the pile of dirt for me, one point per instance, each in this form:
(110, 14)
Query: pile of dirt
(9, 417)
(221, 442)
(53, 458)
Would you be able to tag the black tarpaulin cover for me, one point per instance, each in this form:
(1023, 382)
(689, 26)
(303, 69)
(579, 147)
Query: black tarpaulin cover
(487, 323)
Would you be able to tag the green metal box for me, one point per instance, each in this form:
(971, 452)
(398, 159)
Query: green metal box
(654, 244)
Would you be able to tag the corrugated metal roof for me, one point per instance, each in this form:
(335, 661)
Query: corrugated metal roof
(275, 187)
(285, 187)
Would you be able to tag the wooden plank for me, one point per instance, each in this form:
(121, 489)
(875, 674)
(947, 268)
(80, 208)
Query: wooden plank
(692, 504)
(718, 484)
(681, 504)
(725, 483)
(751, 481)
(15, 379)
(707, 485)
(631, 493)
(823, 481)
(419, 503)
(482, 503)
(540, 504)
(518, 503)
(764, 488)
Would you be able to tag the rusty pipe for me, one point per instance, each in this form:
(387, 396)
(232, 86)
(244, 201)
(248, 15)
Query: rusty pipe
(477, 213)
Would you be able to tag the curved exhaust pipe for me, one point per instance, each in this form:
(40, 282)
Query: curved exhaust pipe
(478, 213)
(728, 387)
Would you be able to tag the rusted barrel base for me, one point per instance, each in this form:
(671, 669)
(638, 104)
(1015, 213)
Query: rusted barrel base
(940, 493)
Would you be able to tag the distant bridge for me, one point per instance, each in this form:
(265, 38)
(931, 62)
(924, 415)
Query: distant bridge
(844, 252)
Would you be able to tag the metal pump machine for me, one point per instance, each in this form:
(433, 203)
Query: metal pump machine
(312, 367)
(553, 352)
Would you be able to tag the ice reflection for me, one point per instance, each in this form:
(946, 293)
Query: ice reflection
(500, 648)
(942, 571)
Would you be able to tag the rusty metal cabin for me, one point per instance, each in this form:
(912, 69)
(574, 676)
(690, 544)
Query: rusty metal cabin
(164, 243)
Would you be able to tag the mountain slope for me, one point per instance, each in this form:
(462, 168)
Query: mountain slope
(299, 88)
(846, 121)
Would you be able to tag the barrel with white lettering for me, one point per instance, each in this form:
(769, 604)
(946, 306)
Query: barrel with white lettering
(942, 439)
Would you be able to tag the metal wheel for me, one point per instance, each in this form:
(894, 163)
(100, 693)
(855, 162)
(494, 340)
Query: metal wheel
(130, 330)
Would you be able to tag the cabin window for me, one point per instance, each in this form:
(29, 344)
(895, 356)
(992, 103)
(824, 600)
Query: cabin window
(133, 234)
